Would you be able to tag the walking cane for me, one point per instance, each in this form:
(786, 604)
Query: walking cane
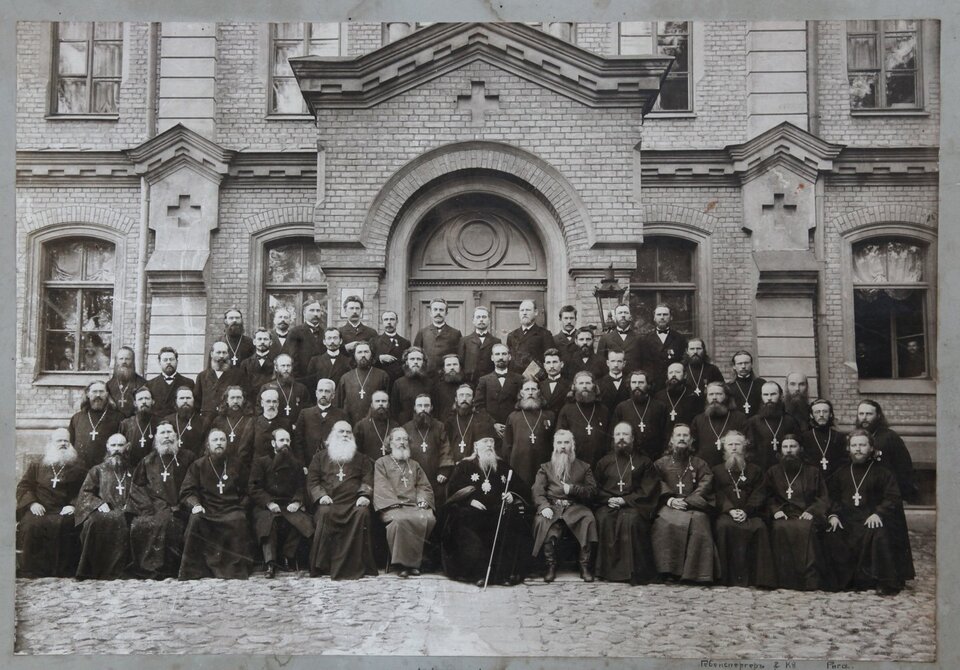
(496, 533)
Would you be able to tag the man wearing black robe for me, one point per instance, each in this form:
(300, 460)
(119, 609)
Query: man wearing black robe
(888, 447)
(414, 382)
(587, 419)
(264, 424)
(647, 415)
(796, 399)
(294, 396)
(554, 387)
(466, 424)
(476, 349)
(138, 429)
(372, 433)
(767, 428)
(236, 420)
(241, 347)
(164, 386)
(93, 424)
(823, 445)
(528, 342)
(217, 542)
(190, 426)
(446, 385)
(430, 446)
(125, 381)
(315, 423)
(719, 416)
(746, 387)
(212, 383)
(48, 541)
(258, 368)
(527, 437)
(682, 405)
(388, 347)
(357, 385)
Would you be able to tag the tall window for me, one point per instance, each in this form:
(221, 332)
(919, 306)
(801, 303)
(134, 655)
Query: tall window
(883, 64)
(289, 40)
(87, 64)
(292, 276)
(77, 300)
(666, 38)
(664, 275)
(890, 308)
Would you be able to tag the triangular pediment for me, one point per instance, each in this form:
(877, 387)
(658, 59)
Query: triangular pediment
(787, 145)
(529, 53)
(179, 147)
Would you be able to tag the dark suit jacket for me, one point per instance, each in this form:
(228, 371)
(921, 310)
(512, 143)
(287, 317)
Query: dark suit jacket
(610, 395)
(208, 392)
(257, 375)
(361, 333)
(312, 430)
(498, 401)
(164, 394)
(596, 364)
(567, 345)
(663, 354)
(636, 353)
(382, 344)
(435, 346)
(475, 359)
(526, 347)
(555, 401)
(302, 345)
(322, 366)
(275, 345)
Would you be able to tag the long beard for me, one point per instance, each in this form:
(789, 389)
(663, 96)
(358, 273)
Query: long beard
(624, 449)
(118, 461)
(379, 413)
(400, 454)
(342, 449)
(695, 361)
(284, 377)
(168, 449)
(796, 405)
(585, 397)
(464, 409)
(184, 413)
(870, 426)
(673, 385)
(487, 460)
(735, 462)
(530, 403)
(363, 364)
(716, 410)
(144, 413)
(771, 410)
(423, 421)
(791, 463)
(453, 377)
(124, 373)
(56, 456)
(235, 329)
(410, 373)
(561, 464)
(639, 396)
(680, 452)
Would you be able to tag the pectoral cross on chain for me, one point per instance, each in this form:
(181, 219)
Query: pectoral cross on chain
(164, 474)
(533, 438)
(143, 441)
(404, 480)
(856, 499)
(362, 393)
(719, 447)
(673, 415)
(93, 433)
(234, 359)
(462, 445)
(232, 435)
(824, 462)
(696, 391)
(680, 487)
(120, 487)
(589, 429)
(55, 480)
(774, 442)
(641, 425)
(423, 446)
(340, 475)
(220, 486)
(620, 485)
(287, 410)
(746, 407)
(789, 493)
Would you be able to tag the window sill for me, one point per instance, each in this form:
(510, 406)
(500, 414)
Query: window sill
(671, 115)
(82, 117)
(70, 379)
(900, 386)
(922, 113)
(290, 117)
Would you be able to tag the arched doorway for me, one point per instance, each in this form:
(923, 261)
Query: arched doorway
(476, 249)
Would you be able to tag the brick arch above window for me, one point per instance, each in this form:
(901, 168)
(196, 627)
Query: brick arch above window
(876, 215)
(678, 216)
(291, 215)
(80, 215)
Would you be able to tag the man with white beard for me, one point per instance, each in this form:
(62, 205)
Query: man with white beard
(158, 524)
(340, 484)
(125, 381)
(138, 429)
(93, 424)
(563, 488)
(740, 533)
(526, 440)
(104, 534)
(403, 496)
(48, 543)
(720, 415)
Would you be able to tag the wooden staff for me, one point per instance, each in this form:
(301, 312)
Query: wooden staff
(496, 533)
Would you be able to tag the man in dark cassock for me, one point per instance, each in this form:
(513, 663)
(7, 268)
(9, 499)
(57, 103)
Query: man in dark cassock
(768, 427)
(823, 445)
(664, 345)
(258, 368)
(797, 501)
(562, 491)
(388, 347)
(354, 330)
(866, 539)
(682, 405)
(373, 432)
(264, 424)
(587, 419)
(466, 424)
(294, 396)
(646, 415)
(614, 387)
(125, 381)
(497, 392)
(404, 498)
(565, 339)
(478, 491)
(236, 420)
(628, 488)
(340, 485)
(93, 424)
(476, 349)
(682, 539)
(528, 342)
(699, 370)
(585, 358)
(306, 340)
(159, 522)
(445, 388)
(526, 440)
(624, 337)
(414, 382)
(739, 530)
(746, 387)
(138, 429)
(555, 387)
(48, 541)
(315, 423)
(241, 347)
(164, 386)
(190, 426)
(277, 492)
(217, 542)
(332, 362)
(282, 320)
(430, 446)
(100, 514)
(796, 400)
(357, 385)
(888, 447)
(719, 416)
(437, 339)
(213, 382)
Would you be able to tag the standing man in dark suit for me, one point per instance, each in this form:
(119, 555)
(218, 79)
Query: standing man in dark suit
(528, 342)
(565, 339)
(476, 349)
(315, 423)
(624, 338)
(164, 386)
(555, 387)
(497, 392)
(332, 362)
(282, 318)
(437, 339)
(354, 330)
(388, 347)
(665, 345)
(585, 358)
(306, 340)
(259, 367)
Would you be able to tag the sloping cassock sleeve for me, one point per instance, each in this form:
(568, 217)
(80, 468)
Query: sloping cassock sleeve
(893, 454)
(191, 491)
(315, 483)
(140, 502)
(701, 497)
(258, 484)
(757, 499)
(27, 488)
(644, 489)
(422, 483)
(89, 498)
(821, 503)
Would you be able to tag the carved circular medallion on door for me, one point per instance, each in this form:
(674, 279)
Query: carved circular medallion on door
(477, 240)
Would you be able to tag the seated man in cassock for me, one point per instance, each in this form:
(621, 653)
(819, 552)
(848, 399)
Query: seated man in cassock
(682, 540)
(563, 488)
(526, 439)
(373, 432)
(48, 541)
(105, 532)
(158, 523)
(797, 500)
(628, 488)
(277, 491)
(867, 540)
(739, 530)
(403, 496)
(480, 486)
(340, 484)
(217, 542)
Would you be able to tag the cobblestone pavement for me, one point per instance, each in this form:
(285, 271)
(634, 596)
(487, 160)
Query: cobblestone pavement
(435, 616)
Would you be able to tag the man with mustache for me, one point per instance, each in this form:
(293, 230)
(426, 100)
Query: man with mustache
(767, 428)
(528, 342)
(214, 380)
(354, 330)
(628, 488)
(372, 433)
(105, 533)
(797, 501)
(164, 386)
(413, 383)
(699, 370)
(746, 387)
(888, 447)
(682, 405)
(125, 381)
(497, 392)
(823, 445)
(445, 388)
(565, 339)
(663, 345)
(586, 418)
(404, 498)
(294, 396)
(191, 428)
(797, 399)
(138, 429)
(554, 387)
(646, 415)
(332, 362)
(315, 423)
(388, 347)
(866, 538)
(306, 340)
(217, 542)
(682, 539)
(357, 385)
(585, 358)
(258, 367)
(614, 387)
(719, 417)
(48, 542)
(277, 493)
(437, 339)
(625, 338)
(478, 490)
(282, 320)
(476, 348)
(93, 424)
(430, 446)
(159, 522)
(526, 439)
(466, 424)
(241, 347)
(739, 530)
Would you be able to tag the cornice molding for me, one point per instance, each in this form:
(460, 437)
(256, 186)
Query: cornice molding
(177, 147)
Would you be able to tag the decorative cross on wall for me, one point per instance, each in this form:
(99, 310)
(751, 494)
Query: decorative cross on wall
(779, 209)
(186, 214)
(477, 103)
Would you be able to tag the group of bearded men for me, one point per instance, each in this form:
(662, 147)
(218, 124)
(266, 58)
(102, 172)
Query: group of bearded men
(437, 454)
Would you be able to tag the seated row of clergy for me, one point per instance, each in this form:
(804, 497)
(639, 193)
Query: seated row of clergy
(865, 543)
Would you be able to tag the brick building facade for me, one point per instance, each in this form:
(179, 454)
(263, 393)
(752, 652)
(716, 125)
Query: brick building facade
(783, 182)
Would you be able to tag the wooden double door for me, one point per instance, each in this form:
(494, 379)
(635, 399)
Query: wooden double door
(502, 303)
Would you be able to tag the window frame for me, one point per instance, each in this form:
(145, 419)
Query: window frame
(270, 33)
(919, 108)
(261, 244)
(693, 51)
(53, 111)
